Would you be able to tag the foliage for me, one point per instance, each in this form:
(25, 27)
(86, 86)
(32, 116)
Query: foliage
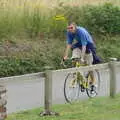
(34, 26)
(108, 46)
(38, 55)
(14, 66)
(102, 19)
(97, 19)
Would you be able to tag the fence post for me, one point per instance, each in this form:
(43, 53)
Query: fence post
(48, 95)
(112, 78)
(3, 102)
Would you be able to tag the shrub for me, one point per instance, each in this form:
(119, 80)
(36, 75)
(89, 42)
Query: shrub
(98, 19)
(103, 19)
(34, 23)
(13, 66)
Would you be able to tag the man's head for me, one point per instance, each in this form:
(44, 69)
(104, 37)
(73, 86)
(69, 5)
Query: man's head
(71, 27)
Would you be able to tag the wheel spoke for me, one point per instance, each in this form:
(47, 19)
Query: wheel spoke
(71, 88)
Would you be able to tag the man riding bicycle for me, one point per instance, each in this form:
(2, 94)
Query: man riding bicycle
(83, 46)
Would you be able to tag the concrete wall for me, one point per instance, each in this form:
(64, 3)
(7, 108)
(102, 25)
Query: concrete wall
(58, 86)
(118, 79)
(27, 91)
(24, 92)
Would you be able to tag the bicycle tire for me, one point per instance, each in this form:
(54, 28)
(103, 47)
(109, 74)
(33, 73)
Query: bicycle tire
(71, 94)
(95, 92)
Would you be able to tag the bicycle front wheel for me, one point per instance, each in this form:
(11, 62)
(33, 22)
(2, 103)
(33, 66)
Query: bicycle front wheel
(93, 89)
(71, 88)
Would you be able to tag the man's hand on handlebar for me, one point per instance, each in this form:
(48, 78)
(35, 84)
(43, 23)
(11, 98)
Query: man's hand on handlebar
(65, 58)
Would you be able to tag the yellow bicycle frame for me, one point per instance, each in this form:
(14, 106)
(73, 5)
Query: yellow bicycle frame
(80, 76)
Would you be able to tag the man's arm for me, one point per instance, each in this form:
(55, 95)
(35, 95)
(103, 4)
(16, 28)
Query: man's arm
(68, 47)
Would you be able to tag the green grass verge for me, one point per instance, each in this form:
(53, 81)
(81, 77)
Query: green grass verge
(103, 108)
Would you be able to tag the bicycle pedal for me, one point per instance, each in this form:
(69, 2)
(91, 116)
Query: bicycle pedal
(93, 87)
(82, 89)
(92, 92)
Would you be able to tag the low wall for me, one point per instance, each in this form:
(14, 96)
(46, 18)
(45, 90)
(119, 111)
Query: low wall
(28, 91)
(24, 92)
(54, 83)
(58, 78)
(117, 78)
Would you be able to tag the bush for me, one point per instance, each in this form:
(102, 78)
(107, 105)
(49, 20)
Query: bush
(102, 19)
(108, 46)
(98, 19)
(16, 66)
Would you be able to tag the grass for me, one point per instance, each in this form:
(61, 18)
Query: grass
(18, 5)
(103, 108)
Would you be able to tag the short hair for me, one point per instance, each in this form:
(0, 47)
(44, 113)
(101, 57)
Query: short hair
(69, 23)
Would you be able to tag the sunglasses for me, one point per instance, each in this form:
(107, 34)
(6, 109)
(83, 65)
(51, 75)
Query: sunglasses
(70, 27)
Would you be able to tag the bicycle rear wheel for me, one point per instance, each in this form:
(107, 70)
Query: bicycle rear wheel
(92, 90)
(71, 88)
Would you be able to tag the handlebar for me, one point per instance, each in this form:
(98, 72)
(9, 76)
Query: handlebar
(63, 62)
(71, 62)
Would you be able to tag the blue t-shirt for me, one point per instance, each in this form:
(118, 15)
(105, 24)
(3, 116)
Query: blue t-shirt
(81, 35)
(83, 39)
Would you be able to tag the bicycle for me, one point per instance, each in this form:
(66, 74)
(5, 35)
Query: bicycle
(77, 82)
